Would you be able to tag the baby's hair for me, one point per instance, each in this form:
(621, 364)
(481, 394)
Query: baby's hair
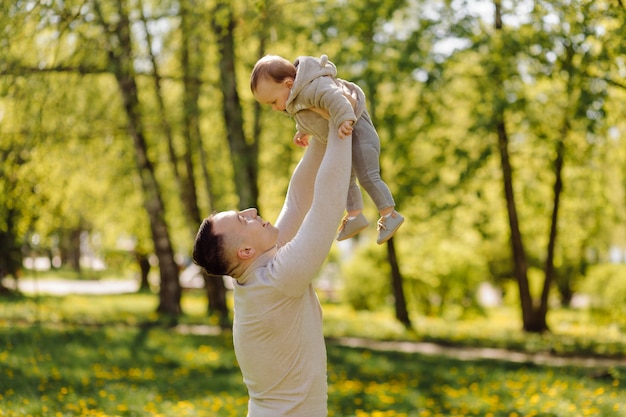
(273, 66)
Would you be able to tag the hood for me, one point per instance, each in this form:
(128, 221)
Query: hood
(310, 68)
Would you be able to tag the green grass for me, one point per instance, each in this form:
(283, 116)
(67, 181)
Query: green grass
(107, 356)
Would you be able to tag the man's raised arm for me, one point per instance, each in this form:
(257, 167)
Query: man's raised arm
(300, 192)
(302, 257)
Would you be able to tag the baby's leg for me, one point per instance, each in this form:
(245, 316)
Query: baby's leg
(366, 164)
(354, 204)
(354, 221)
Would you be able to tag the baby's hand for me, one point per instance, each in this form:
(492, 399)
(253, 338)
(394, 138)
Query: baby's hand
(301, 139)
(345, 129)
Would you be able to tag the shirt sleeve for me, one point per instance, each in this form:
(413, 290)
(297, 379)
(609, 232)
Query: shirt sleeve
(299, 192)
(329, 94)
(299, 260)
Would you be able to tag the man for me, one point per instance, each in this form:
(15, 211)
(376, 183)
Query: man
(277, 328)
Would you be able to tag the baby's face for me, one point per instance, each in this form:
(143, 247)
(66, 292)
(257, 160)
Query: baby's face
(275, 94)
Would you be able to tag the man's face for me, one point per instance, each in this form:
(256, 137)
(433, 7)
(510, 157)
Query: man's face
(247, 227)
(275, 94)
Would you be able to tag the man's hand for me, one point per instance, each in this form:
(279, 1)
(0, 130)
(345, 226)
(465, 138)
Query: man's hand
(301, 139)
(345, 129)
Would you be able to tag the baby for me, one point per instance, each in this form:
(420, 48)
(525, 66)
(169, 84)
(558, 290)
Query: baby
(310, 91)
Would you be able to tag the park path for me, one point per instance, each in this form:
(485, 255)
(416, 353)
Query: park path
(64, 287)
(473, 354)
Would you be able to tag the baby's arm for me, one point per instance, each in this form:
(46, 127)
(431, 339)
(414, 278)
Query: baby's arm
(338, 102)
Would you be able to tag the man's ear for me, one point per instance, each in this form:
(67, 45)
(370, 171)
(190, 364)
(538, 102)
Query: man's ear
(288, 82)
(245, 252)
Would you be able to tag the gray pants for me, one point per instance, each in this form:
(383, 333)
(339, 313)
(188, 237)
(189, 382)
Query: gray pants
(366, 167)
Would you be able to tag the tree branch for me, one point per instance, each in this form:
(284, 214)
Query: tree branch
(16, 70)
(24, 70)
(615, 83)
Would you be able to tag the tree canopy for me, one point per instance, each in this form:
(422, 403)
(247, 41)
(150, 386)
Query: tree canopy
(502, 128)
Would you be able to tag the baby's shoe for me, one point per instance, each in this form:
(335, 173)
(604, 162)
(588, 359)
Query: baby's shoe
(351, 227)
(388, 225)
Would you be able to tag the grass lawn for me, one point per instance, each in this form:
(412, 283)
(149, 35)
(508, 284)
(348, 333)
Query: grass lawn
(104, 356)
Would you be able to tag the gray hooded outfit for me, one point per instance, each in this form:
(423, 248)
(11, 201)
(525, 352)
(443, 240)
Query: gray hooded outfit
(320, 101)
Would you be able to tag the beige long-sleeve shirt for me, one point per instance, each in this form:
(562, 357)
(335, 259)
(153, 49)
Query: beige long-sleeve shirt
(278, 318)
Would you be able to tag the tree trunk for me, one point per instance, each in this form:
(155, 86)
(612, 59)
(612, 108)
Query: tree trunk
(70, 249)
(557, 189)
(398, 289)
(397, 286)
(542, 312)
(216, 293)
(144, 270)
(520, 263)
(10, 252)
(244, 155)
(122, 64)
(184, 180)
(191, 64)
(262, 36)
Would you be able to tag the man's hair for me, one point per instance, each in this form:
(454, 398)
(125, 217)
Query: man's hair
(209, 249)
(273, 66)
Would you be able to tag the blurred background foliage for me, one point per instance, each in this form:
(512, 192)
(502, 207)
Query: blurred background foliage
(124, 122)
